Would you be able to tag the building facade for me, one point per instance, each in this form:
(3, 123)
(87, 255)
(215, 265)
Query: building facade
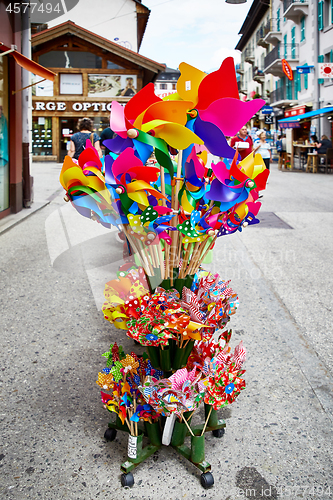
(301, 33)
(11, 179)
(91, 73)
(166, 83)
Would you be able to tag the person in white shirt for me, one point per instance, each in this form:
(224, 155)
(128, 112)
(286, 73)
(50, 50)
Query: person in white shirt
(264, 147)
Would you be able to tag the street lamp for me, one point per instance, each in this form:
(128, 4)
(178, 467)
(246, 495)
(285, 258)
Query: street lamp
(235, 1)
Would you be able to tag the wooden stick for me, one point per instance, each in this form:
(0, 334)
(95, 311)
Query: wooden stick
(150, 252)
(175, 206)
(128, 424)
(167, 254)
(185, 260)
(189, 428)
(162, 185)
(136, 249)
(179, 252)
(203, 430)
(202, 258)
(135, 423)
(195, 256)
(156, 256)
(161, 259)
(190, 415)
(144, 252)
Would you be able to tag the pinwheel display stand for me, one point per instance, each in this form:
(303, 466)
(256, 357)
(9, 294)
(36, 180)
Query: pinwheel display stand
(194, 454)
(173, 186)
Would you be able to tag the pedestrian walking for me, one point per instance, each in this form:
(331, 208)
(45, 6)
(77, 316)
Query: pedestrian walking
(243, 142)
(78, 140)
(106, 134)
(281, 150)
(263, 147)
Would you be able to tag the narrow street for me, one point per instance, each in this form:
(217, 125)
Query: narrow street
(278, 437)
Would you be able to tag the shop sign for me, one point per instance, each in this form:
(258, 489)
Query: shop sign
(298, 110)
(268, 119)
(325, 70)
(286, 68)
(71, 106)
(71, 83)
(266, 110)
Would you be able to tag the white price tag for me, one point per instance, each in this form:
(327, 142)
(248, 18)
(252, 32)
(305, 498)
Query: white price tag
(188, 85)
(132, 446)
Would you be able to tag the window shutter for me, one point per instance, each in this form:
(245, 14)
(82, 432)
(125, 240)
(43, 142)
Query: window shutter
(321, 60)
(320, 15)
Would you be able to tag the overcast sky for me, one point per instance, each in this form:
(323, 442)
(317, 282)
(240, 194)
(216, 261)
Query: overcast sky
(199, 32)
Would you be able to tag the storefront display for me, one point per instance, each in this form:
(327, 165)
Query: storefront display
(42, 136)
(87, 79)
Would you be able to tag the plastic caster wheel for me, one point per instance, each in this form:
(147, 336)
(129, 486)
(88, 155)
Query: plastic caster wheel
(218, 433)
(110, 434)
(207, 480)
(127, 479)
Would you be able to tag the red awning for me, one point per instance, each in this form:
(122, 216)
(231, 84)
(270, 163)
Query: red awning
(28, 64)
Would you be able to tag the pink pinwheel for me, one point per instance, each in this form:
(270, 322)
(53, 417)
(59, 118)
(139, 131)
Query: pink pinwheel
(181, 376)
(216, 96)
(150, 114)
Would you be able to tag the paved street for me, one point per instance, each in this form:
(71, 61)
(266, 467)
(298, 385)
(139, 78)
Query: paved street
(278, 440)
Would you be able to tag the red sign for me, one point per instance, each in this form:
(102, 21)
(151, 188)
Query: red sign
(297, 110)
(287, 69)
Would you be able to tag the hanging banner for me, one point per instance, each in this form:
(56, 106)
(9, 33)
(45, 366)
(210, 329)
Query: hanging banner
(303, 70)
(325, 70)
(287, 69)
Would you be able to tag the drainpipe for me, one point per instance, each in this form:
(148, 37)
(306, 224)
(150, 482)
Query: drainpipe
(316, 86)
(26, 112)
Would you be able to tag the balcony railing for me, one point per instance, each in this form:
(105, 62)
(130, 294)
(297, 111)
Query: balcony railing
(260, 35)
(287, 51)
(295, 9)
(258, 74)
(273, 25)
(280, 94)
(249, 55)
(288, 3)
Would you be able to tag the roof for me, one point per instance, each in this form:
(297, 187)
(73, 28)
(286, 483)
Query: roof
(70, 28)
(249, 26)
(310, 114)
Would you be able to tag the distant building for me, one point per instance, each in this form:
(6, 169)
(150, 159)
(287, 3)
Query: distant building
(299, 32)
(91, 73)
(166, 82)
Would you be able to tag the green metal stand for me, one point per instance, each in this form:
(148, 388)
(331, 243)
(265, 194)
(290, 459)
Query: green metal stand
(194, 454)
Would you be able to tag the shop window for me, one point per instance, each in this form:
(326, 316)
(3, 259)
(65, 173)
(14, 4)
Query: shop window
(112, 65)
(174, 86)
(4, 145)
(70, 59)
(163, 86)
(41, 136)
